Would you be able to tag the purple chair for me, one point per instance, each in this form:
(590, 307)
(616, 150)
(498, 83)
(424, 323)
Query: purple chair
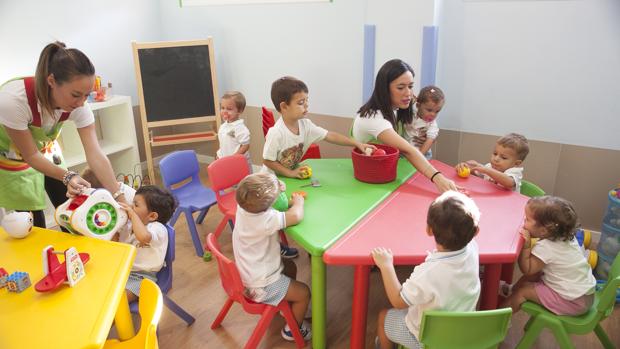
(164, 281)
(179, 172)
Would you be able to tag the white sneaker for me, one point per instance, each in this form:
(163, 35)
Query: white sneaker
(305, 330)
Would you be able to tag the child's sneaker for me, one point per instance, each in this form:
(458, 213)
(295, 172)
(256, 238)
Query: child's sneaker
(288, 252)
(505, 289)
(305, 330)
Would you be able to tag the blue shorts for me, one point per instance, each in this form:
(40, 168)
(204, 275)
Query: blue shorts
(135, 279)
(397, 331)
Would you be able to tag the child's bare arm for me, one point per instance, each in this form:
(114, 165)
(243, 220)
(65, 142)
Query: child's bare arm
(499, 177)
(384, 260)
(138, 228)
(337, 138)
(427, 145)
(243, 149)
(281, 170)
(528, 263)
(295, 214)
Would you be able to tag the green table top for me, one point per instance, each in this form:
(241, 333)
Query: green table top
(341, 200)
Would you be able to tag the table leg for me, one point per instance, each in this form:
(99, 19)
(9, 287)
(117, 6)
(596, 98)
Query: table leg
(507, 271)
(490, 285)
(319, 304)
(360, 306)
(123, 321)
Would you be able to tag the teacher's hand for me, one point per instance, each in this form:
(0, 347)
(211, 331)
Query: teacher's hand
(444, 184)
(76, 185)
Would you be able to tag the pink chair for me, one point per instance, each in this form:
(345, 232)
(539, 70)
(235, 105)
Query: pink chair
(231, 282)
(224, 174)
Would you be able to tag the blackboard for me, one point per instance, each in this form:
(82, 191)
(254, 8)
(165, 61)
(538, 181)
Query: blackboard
(177, 82)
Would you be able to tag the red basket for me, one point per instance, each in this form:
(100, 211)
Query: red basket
(375, 169)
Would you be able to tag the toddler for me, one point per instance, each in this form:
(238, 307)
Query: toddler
(288, 140)
(555, 272)
(255, 245)
(233, 135)
(447, 280)
(505, 167)
(152, 208)
(423, 131)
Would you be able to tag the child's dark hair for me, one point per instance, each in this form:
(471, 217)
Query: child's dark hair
(556, 215)
(283, 89)
(238, 98)
(158, 200)
(430, 93)
(257, 192)
(516, 142)
(453, 218)
(89, 176)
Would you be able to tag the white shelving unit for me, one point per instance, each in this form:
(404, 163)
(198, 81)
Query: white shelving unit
(116, 133)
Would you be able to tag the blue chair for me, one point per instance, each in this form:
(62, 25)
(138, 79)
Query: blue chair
(164, 281)
(179, 172)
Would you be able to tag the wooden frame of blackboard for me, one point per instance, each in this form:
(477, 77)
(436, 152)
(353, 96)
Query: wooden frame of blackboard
(149, 140)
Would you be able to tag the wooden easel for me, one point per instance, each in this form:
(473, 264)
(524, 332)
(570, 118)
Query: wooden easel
(149, 122)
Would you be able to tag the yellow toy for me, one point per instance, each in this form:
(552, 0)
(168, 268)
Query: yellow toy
(463, 172)
(306, 172)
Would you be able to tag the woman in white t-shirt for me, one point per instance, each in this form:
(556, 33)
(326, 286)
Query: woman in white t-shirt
(32, 112)
(555, 272)
(390, 107)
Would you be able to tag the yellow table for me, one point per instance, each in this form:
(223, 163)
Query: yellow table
(78, 317)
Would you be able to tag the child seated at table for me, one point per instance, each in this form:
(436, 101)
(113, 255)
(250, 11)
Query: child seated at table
(152, 208)
(288, 140)
(556, 275)
(505, 167)
(447, 280)
(266, 278)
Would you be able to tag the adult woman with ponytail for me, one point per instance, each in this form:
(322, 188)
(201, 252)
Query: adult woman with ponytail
(32, 112)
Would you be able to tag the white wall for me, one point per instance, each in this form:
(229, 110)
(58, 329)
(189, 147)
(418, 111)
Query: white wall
(103, 30)
(320, 43)
(547, 69)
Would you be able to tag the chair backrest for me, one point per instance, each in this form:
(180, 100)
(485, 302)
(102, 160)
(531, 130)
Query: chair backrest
(150, 307)
(179, 166)
(226, 172)
(530, 189)
(268, 120)
(475, 329)
(229, 274)
(606, 296)
(164, 276)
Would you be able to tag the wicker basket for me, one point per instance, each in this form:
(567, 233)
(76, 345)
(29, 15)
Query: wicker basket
(375, 169)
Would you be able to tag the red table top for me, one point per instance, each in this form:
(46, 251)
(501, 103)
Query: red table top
(399, 223)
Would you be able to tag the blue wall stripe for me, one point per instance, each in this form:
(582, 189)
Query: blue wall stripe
(429, 55)
(369, 61)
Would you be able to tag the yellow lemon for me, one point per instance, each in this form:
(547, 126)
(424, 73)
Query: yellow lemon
(463, 172)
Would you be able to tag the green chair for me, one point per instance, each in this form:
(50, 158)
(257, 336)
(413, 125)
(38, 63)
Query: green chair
(561, 326)
(464, 330)
(530, 189)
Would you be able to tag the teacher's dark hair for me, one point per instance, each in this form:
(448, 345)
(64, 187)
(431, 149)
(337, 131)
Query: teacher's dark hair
(380, 99)
(65, 64)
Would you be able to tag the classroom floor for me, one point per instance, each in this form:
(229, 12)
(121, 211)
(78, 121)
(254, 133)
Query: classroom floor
(197, 289)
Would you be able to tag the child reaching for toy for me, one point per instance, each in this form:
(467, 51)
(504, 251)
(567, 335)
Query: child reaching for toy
(447, 280)
(152, 208)
(423, 130)
(505, 167)
(288, 140)
(233, 135)
(556, 275)
(266, 278)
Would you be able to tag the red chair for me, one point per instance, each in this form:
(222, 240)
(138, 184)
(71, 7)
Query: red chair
(231, 282)
(224, 173)
(313, 151)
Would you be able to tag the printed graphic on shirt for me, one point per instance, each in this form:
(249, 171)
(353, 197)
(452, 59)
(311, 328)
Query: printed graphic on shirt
(291, 156)
(420, 137)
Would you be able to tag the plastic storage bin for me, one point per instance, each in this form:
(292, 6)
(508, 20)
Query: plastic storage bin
(375, 168)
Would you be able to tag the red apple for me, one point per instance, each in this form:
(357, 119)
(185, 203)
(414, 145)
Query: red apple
(379, 152)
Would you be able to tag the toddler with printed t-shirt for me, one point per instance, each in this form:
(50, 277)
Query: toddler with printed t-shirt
(423, 130)
(233, 135)
(505, 167)
(266, 278)
(447, 280)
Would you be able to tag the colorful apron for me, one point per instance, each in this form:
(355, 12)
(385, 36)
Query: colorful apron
(21, 186)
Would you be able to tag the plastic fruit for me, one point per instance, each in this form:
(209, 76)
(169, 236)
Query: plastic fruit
(463, 172)
(300, 192)
(379, 152)
(281, 203)
(306, 172)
